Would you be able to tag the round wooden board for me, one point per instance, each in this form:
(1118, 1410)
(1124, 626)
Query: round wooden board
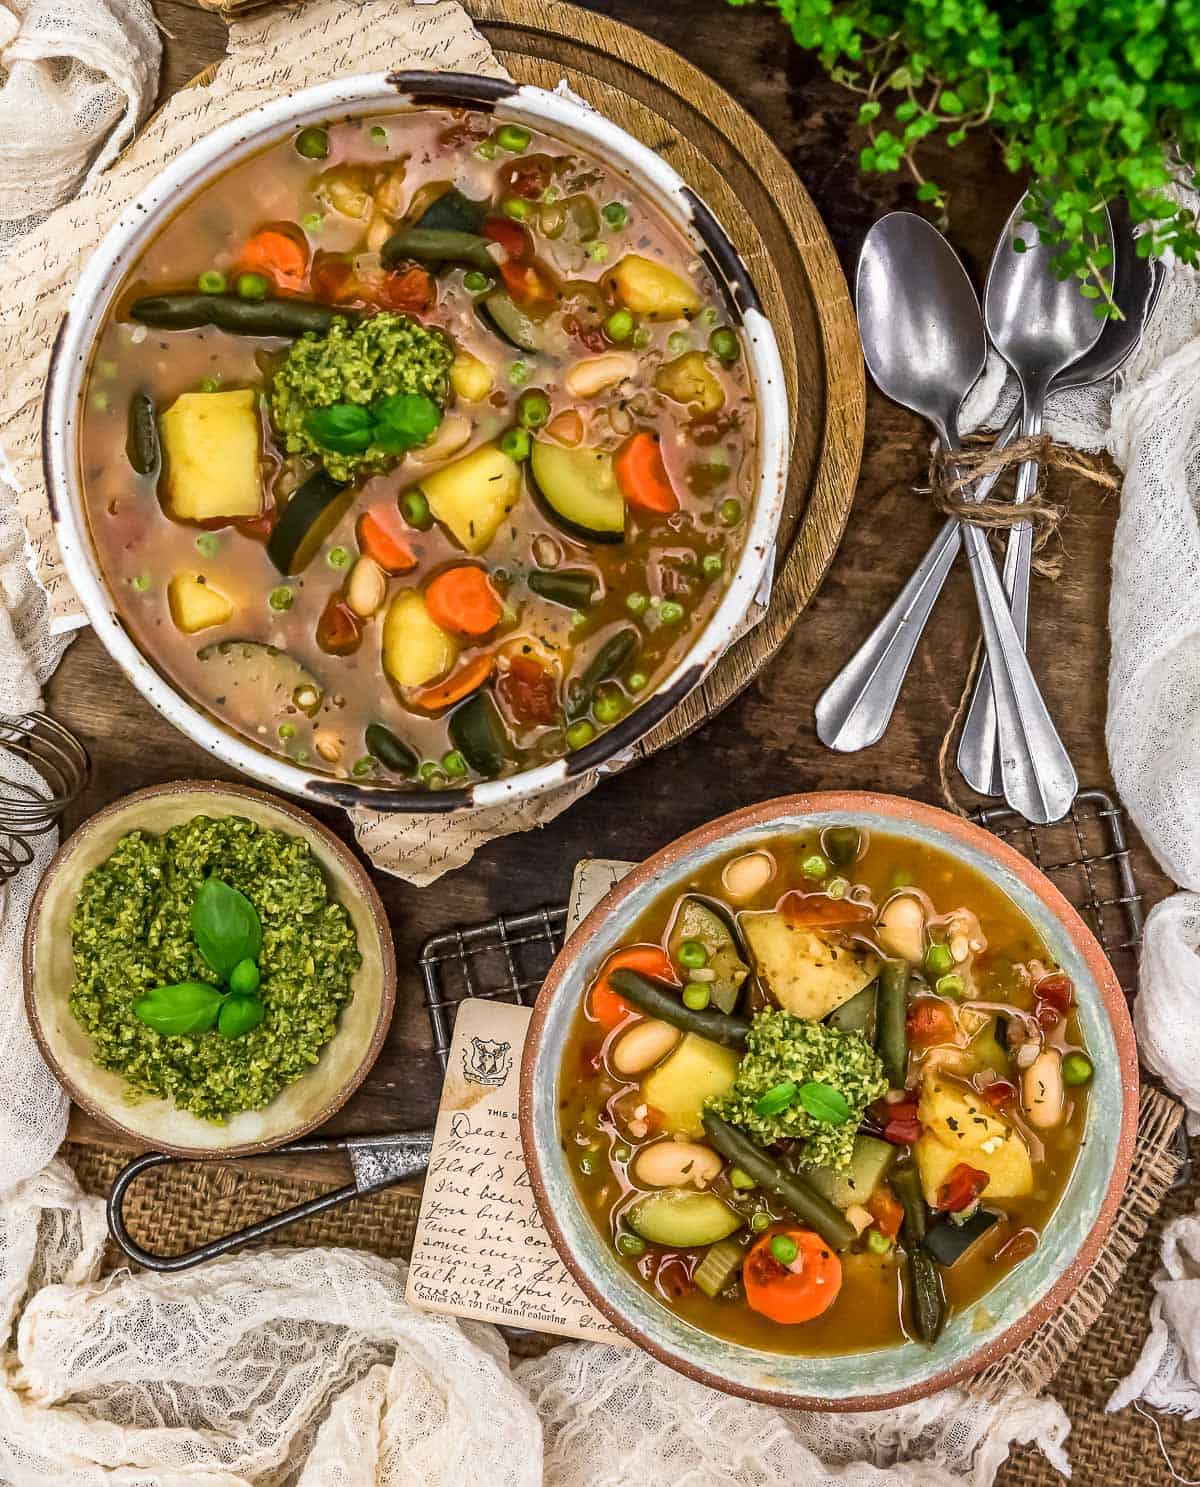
(717, 148)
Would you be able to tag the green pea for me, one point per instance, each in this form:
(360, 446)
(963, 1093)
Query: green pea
(1076, 1068)
(901, 878)
(212, 281)
(952, 985)
(641, 338)
(514, 207)
(636, 681)
(475, 281)
(709, 315)
(287, 730)
(607, 707)
(513, 138)
(815, 866)
(430, 773)
(533, 408)
(208, 544)
(579, 734)
(837, 887)
(377, 134)
(587, 1164)
(671, 613)
(730, 512)
(252, 286)
(615, 214)
(209, 384)
(636, 603)
(338, 557)
(619, 325)
(938, 960)
(414, 508)
(518, 373)
(516, 444)
(692, 955)
(281, 598)
(244, 978)
(312, 143)
(486, 149)
(784, 1248)
(724, 345)
(622, 1153)
(597, 251)
(741, 1181)
(100, 401)
(877, 1243)
(696, 995)
(312, 221)
(454, 764)
(677, 343)
(631, 1245)
(713, 564)
(760, 1221)
(140, 582)
(363, 766)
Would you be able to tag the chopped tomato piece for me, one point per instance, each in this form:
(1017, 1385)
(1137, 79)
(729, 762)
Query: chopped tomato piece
(527, 178)
(902, 1132)
(887, 1211)
(339, 630)
(1055, 991)
(590, 337)
(672, 1278)
(259, 527)
(605, 1006)
(281, 253)
(819, 911)
(461, 683)
(961, 1188)
(409, 288)
(382, 535)
(999, 1093)
(529, 690)
(796, 1292)
(929, 1021)
(528, 284)
(643, 477)
(463, 601)
(511, 236)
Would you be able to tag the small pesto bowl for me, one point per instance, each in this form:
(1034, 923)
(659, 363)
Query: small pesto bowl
(157, 1123)
(975, 1337)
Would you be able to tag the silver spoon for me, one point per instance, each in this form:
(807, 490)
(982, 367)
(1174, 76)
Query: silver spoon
(856, 707)
(1040, 325)
(924, 345)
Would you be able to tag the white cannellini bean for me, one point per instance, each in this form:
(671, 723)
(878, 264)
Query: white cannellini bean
(327, 744)
(859, 1217)
(592, 375)
(1042, 1092)
(453, 432)
(643, 1046)
(901, 927)
(745, 876)
(367, 588)
(676, 1164)
(1027, 1052)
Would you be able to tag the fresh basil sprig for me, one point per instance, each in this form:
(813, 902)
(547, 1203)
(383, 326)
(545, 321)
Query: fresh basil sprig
(228, 934)
(394, 423)
(825, 1103)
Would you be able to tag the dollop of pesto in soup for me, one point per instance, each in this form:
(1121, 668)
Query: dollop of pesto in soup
(131, 931)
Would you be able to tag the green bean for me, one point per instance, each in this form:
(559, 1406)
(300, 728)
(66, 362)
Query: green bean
(906, 1184)
(925, 1289)
(658, 999)
(573, 588)
(438, 245)
(190, 309)
(892, 1021)
(141, 444)
(604, 665)
(392, 752)
(808, 1206)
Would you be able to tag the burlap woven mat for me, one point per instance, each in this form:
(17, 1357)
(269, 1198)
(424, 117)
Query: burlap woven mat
(1083, 1350)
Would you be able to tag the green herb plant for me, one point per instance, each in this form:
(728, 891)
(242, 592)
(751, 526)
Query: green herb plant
(228, 934)
(1091, 99)
(395, 424)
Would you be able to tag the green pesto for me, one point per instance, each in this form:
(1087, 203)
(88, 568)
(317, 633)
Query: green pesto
(384, 354)
(782, 1048)
(131, 931)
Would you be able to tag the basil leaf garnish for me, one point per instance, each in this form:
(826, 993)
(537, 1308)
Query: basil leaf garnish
(190, 1007)
(346, 428)
(404, 420)
(239, 1014)
(226, 926)
(824, 1103)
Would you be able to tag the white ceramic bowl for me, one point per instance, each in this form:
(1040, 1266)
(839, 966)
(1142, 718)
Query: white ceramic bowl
(564, 118)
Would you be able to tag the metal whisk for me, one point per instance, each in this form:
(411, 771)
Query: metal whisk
(59, 767)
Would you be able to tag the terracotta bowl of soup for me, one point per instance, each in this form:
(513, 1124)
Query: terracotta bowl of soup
(309, 1089)
(831, 1102)
(416, 441)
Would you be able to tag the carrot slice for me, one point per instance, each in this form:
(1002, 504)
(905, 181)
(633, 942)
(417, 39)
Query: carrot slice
(463, 601)
(279, 254)
(643, 477)
(383, 536)
(459, 684)
(605, 1006)
(797, 1292)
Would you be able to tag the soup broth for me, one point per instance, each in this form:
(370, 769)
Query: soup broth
(827, 1095)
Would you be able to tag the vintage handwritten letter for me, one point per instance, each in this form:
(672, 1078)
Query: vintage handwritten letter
(481, 1250)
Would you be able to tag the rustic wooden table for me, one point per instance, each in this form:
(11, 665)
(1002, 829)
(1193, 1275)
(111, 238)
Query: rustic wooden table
(764, 744)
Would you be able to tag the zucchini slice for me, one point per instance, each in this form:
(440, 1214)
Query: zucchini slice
(572, 587)
(579, 491)
(948, 1242)
(869, 1165)
(504, 318)
(682, 1219)
(308, 518)
(390, 749)
(257, 683)
(452, 212)
(695, 920)
(859, 1014)
(478, 733)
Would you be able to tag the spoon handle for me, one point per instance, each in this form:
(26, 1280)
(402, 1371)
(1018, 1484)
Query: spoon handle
(856, 707)
(978, 748)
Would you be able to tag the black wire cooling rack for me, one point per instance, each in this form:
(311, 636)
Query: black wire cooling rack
(1086, 855)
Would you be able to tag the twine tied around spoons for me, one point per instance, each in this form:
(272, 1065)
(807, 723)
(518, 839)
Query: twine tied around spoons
(59, 764)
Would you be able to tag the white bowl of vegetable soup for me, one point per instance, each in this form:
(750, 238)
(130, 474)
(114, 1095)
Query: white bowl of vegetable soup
(416, 441)
(830, 1103)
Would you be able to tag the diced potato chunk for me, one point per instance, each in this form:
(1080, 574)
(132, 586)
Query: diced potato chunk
(470, 378)
(806, 974)
(653, 290)
(415, 650)
(689, 379)
(212, 457)
(195, 604)
(958, 1126)
(474, 495)
(678, 1088)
